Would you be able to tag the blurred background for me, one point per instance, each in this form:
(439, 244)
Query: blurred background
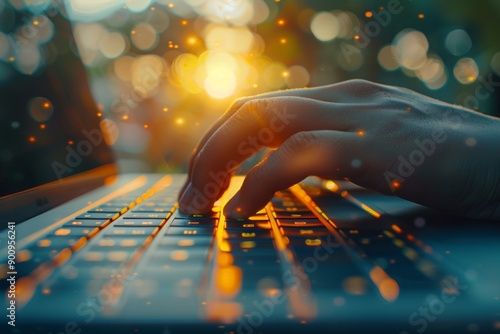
(162, 71)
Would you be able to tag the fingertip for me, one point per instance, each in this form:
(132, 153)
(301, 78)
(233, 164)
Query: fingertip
(233, 209)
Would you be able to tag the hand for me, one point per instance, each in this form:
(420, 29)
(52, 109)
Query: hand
(388, 139)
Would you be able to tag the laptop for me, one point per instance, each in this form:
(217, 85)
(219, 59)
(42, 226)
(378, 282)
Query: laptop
(85, 249)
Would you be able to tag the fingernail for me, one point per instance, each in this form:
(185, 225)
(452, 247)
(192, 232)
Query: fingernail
(186, 200)
(234, 209)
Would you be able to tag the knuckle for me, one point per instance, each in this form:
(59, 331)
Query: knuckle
(365, 87)
(359, 82)
(301, 141)
(255, 109)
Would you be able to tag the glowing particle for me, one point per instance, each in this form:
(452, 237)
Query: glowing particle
(70, 142)
(281, 22)
(179, 121)
(42, 126)
(31, 139)
(99, 114)
(146, 126)
(191, 40)
(283, 41)
(36, 22)
(152, 8)
(184, 22)
(356, 37)
(170, 5)
(165, 109)
(396, 184)
(11, 58)
(361, 132)
(255, 85)
(125, 117)
(46, 105)
(421, 16)
(368, 14)
(285, 74)
(132, 32)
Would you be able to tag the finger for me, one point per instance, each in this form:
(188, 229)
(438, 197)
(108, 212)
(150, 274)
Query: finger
(258, 123)
(319, 153)
(342, 92)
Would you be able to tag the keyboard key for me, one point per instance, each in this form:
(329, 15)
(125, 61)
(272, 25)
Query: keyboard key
(194, 222)
(300, 223)
(147, 215)
(57, 242)
(88, 223)
(190, 231)
(97, 254)
(294, 215)
(211, 215)
(138, 222)
(131, 231)
(154, 204)
(188, 242)
(254, 234)
(153, 209)
(75, 231)
(114, 242)
(254, 218)
(290, 209)
(99, 215)
(245, 225)
(249, 247)
(242, 260)
(116, 204)
(305, 232)
(176, 257)
(107, 209)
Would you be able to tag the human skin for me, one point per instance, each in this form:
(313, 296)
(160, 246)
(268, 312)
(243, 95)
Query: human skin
(388, 139)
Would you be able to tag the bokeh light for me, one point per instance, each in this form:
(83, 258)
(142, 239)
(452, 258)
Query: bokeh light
(137, 5)
(387, 58)
(37, 6)
(325, 26)
(40, 109)
(466, 70)
(144, 36)
(112, 45)
(432, 73)
(5, 47)
(411, 47)
(458, 42)
(298, 77)
(27, 58)
(495, 63)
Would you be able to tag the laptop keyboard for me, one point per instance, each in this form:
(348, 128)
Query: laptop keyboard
(139, 247)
